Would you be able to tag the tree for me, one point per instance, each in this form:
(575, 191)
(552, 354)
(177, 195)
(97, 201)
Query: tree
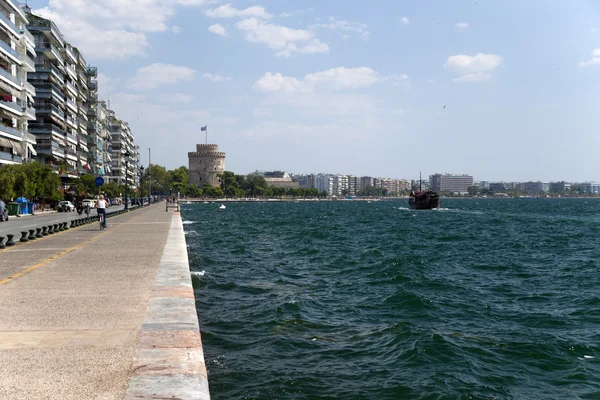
(229, 183)
(473, 190)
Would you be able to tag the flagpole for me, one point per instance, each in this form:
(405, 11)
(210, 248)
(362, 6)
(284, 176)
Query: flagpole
(206, 134)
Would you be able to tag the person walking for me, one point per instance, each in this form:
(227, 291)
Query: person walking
(101, 205)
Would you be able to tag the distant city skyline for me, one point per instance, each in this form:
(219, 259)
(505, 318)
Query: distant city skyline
(500, 90)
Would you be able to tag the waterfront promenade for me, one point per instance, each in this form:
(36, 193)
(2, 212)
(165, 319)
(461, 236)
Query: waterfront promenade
(90, 314)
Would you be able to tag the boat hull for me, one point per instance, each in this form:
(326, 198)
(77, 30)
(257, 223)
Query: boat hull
(424, 201)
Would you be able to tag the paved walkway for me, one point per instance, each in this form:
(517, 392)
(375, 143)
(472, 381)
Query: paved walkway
(72, 307)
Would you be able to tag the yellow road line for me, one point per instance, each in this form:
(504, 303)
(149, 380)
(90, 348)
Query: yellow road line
(54, 257)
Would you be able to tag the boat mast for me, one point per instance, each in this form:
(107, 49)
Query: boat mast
(420, 188)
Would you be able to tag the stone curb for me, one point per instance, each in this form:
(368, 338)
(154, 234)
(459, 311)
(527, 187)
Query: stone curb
(169, 360)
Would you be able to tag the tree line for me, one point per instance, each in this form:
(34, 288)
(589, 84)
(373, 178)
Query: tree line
(40, 183)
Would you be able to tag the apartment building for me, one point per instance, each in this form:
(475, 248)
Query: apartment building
(535, 187)
(17, 53)
(451, 183)
(63, 83)
(125, 153)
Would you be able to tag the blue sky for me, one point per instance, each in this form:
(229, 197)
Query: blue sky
(501, 90)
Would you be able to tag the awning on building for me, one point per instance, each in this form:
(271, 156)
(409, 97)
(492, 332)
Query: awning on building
(6, 143)
(31, 149)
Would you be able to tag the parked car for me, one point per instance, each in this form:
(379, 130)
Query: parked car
(65, 206)
(3, 211)
(115, 202)
(91, 202)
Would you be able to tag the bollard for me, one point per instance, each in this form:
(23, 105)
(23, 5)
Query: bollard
(44, 231)
(61, 227)
(9, 240)
(38, 233)
(66, 225)
(72, 223)
(32, 234)
(24, 237)
(50, 230)
(78, 222)
(55, 228)
(2, 245)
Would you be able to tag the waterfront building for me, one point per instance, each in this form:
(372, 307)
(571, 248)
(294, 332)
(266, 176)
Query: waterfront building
(205, 164)
(535, 187)
(353, 185)
(451, 183)
(589, 187)
(497, 186)
(366, 181)
(339, 185)
(122, 142)
(560, 187)
(17, 54)
(324, 183)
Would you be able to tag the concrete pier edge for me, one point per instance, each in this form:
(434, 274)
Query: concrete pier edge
(169, 360)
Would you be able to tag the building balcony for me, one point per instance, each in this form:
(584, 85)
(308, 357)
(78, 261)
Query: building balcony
(11, 106)
(30, 113)
(91, 71)
(9, 131)
(71, 54)
(9, 24)
(49, 49)
(9, 158)
(92, 112)
(46, 108)
(72, 105)
(48, 91)
(28, 36)
(46, 129)
(92, 98)
(71, 138)
(10, 51)
(93, 126)
(70, 70)
(30, 88)
(27, 62)
(72, 88)
(49, 67)
(83, 109)
(10, 77)
(92, 85)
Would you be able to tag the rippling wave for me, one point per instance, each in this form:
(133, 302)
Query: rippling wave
(485, 299)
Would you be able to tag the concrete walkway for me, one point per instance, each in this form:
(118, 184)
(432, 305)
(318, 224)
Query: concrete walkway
(84, 315)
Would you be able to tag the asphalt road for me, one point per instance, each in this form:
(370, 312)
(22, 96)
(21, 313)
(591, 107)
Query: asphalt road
(15, 225)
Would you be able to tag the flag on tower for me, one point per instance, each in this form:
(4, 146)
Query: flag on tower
(202, 129)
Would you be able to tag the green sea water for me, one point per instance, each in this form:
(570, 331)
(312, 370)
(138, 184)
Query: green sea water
(483, 299)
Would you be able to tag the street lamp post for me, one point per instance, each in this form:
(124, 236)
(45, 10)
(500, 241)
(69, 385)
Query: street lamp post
(141, 188)
(126, 179)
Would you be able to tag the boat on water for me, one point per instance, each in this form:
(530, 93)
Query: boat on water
(222, 207)
(421, 200)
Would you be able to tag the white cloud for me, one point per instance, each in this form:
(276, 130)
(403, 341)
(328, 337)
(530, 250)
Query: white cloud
(476, 68)
(176, 29)
(227, 11)
(216, 78)
(218, 29)
(345, 26)
(281, 38)
(339, 78)
(405, 20)
(112, 29)
(462, 25)
(430, 80)
(262, 112)
(593, 61)
(278, 82)
(155, 75)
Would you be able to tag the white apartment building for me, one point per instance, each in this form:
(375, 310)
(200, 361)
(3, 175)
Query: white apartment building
(17, 53)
